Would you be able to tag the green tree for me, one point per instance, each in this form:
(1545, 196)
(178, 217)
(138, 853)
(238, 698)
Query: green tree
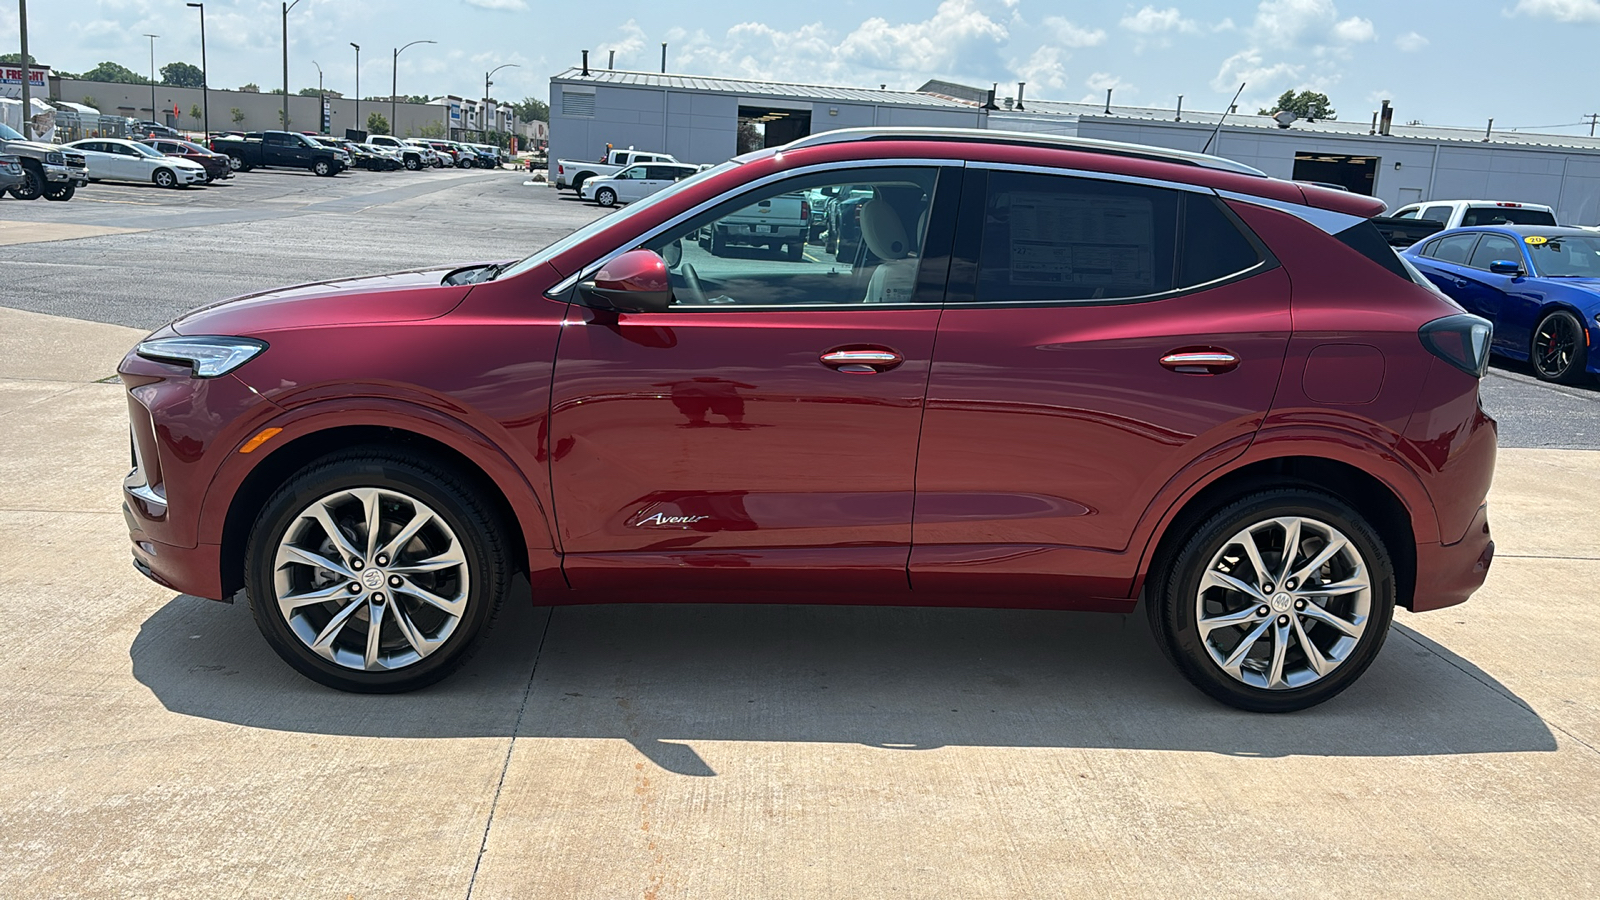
(90, 102)
(11, 59)
(117, 74)
(432, 130)
(377, 124)
(532, 109)
(1308, 105)
(251, 88)
(182, 74)
(314, 92)
(414, 98)
(238, 115)
(197, 114)
(283, 122)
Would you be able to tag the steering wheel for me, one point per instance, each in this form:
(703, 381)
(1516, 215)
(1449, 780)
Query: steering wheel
(691, 282)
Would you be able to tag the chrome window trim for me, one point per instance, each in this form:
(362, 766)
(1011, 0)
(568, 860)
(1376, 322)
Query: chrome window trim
(1325, 220)
(1093, 175)
(588, 271)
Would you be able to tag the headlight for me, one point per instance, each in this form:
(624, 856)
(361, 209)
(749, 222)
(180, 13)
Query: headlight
(207, 356)
(55, 158)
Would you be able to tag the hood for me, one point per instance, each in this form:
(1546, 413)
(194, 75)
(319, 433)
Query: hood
(14, 146)
(399, 297)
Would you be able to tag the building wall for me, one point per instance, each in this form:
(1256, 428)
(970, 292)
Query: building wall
(260, 110)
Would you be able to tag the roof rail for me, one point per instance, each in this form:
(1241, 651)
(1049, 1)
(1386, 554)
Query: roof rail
(1088, 145)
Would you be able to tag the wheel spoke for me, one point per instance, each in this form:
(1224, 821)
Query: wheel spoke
(372, 512)
(395, 544)
(1251, 550)
(324, 517)
(1231, 664)
(324, 642)
(1319, 664)
(289, 553)
(1291, 547)
(451, 606)
(1354, 583)
(1248, 616)
(1224, 580)
(1317, 613)
(291, 602)
(1317, 562)
(374, 633)
(408, 630)
(431, 564)
(1280, 649)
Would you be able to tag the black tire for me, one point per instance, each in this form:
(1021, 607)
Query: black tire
(796, 251)
(606, 197)
(1559, 351)
(60, 191)
(719, 243)
(577, 183)
(164, 178)
(323, 167)
(413, 163)
(477, 528)
(32, 186)
(1173, 600)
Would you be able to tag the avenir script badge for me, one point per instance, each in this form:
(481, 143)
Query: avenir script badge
(659, 519)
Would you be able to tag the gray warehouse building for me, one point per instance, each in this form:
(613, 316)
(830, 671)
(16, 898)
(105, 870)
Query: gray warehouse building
(698, 119)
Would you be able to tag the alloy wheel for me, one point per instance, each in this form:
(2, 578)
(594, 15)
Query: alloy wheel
(1555, 344)
(371, 579)
(1283, 603)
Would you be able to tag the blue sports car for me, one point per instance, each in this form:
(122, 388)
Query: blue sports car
(1539, 285)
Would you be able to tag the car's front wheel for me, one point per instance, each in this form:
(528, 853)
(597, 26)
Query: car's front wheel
(165, 178)
(60, 191)
(1276, 602)
(413, 163)
(374, 572)
(1560, 351)
(323, 167)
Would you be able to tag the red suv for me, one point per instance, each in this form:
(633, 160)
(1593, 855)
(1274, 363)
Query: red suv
(1052, 373)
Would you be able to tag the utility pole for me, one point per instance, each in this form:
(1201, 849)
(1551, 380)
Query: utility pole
(152, 38)
(205, 80)
(322, 101)
(359, 126)
(486, 85)
(394, 87)
(286, 8)
(27, 72)
(1593, 118)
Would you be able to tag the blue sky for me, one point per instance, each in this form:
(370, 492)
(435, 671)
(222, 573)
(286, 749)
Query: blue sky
(1445, 62)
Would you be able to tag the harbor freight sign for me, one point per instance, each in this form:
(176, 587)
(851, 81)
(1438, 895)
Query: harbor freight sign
(11, 79)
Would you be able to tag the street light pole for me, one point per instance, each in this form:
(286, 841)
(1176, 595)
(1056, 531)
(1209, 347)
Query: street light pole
(286, 8)
(394, 86)
(322, 102)
(486, 85)
(358, 85)
(27, 72)
(205, 80)
(152, 38)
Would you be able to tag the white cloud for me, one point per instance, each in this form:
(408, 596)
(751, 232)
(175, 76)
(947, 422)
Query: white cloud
(1354, 30)
(1560, 10)
(1150, 20)
(1251, 68)
(1070, 35)
(1298, 44)
(506, 5)
(1411, 42)
(1046, 68)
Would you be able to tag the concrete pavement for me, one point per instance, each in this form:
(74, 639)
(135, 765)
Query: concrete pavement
(154, 747)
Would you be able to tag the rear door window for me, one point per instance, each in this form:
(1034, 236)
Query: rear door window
(1457, 248)
(1492, 247)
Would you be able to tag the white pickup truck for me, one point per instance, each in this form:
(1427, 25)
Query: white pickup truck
(574, 172)
(776, 223)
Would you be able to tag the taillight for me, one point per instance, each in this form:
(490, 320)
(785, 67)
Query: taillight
(560, 169)
(805, 211)
(1460, 340)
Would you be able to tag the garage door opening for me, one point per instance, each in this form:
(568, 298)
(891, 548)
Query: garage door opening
(762, 127)
(1356, 174)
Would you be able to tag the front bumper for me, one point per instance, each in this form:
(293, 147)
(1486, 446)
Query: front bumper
(1447, 574)
(61, 174)
(191, 176)
(193, 570)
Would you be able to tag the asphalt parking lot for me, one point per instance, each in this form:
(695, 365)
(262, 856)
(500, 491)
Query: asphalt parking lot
(154, 746)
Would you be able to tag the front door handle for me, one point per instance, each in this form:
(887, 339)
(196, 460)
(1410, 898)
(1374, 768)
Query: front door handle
(862, 360)
(1201, 361)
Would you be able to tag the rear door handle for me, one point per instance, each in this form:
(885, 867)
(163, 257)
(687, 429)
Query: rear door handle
(1201, 361)
(862, 361)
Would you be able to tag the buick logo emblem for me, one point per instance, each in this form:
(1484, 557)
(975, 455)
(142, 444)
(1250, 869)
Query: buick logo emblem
(372, 578)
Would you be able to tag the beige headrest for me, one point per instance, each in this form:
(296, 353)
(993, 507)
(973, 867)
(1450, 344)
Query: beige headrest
(883, 231)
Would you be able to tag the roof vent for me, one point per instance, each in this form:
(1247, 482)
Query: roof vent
(1285, 118)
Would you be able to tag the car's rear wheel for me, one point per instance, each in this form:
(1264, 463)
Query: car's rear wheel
(375, 572)
(164, 178)
(1559, 353)
(32, 186)
(795, 251)
(1276, 602)
(235, 163)
(606, 197)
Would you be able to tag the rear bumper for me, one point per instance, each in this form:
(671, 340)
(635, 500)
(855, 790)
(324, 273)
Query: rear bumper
(1447, 574)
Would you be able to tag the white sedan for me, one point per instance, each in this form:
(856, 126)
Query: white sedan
(636, 182)
(113, 159)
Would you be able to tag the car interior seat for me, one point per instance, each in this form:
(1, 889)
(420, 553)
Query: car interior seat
(884, 233)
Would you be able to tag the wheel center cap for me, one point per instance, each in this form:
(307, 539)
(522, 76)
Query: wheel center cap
(1281, 601)
(372, 578)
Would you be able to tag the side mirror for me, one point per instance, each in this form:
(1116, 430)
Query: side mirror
(1505, 267)
(634, 282)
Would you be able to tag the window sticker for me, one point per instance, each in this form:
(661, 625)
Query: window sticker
(1535, 240)
(1081, 240)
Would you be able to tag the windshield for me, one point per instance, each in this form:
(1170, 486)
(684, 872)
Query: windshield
(9, 133)
(147, 150)
(548, 253)
(1565, 256)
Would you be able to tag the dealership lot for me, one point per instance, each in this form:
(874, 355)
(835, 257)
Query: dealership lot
(156, 747)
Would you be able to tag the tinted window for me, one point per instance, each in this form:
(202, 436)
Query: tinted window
(1501, 215)
(1576, 256)
(1056, 238)
(1456, 248)
(1440, 214)
(1492, 247)
(1406, 214)
(1365, 238)
(663, 173)
(1212, 246)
